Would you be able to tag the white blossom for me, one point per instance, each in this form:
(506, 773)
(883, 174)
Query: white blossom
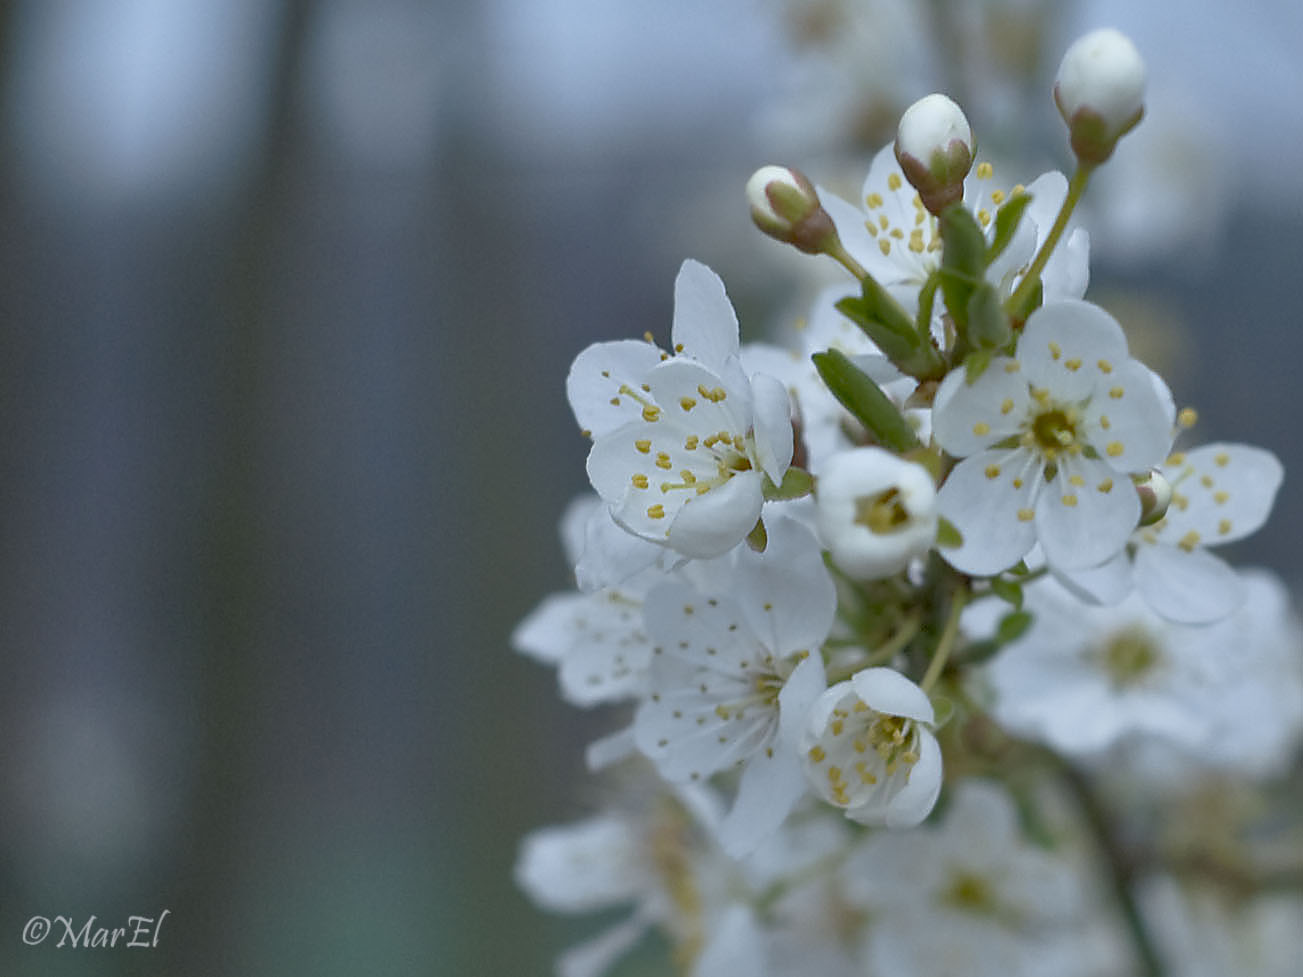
(969, 895)
(876, 512)
(682, 443)
(1084, 678)
(1048, 438)
(869, 749)
(734, 675)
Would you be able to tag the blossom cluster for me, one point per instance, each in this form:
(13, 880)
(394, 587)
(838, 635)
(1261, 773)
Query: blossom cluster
(886, 609)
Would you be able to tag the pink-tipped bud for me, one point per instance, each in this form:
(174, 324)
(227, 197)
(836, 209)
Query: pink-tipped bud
(935, 147)
(785, 205)
(1155, 493)
(1100, 91)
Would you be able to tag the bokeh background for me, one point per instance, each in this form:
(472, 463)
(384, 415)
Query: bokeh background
(288, 290)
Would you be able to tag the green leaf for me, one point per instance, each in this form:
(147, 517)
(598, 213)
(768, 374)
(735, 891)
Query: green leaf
(1006, 222)
(881, 318)
(947, 535)
(797, 482)
(1012, 626)
(988, 325)
(758, 538)
(963, 260)
(1007, 590)
(977, 652)
(865, 400)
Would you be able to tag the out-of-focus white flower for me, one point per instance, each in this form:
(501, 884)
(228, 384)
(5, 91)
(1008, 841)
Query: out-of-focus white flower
(935, 147)
(1084, 679)
(1048, 439)
(1100, 91)
(968, 895)
(682, 443)
(1200, 932)
(734, 675)
(869, 749)
(875, 511)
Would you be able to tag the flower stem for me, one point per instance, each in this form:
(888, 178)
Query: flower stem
(1076, 187)
(1119, 870)
(837, 251)
(947, 641)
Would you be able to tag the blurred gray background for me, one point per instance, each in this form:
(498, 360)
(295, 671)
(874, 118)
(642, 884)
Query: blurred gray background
(288, 292)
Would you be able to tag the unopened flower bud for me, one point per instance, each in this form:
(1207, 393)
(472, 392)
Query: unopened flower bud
(1155, 493)
(935, 147)
(785, 205)
(875, 511)
(1100, 91)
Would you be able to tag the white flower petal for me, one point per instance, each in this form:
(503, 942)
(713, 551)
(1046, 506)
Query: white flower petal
(919, 795)
(1129, 418)
(771, 784)
(613, 555)
(773, 434)
(1067, 273)
(969, 417)
(691, 399)
(887, 691)
(610, 749)
(1086, 514)
(989, 498)
(1066, 347)
(737, 945)
(601, 378)
(1221, 492)
(786, 593)
(581, 867)
(1193, 587)
(716, 521)
(705, 325)
(1108, 583)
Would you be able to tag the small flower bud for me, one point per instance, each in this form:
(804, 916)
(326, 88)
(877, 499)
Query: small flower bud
(1100, 91)
(1155, 493)
(935, 147)
(875, 511)
(785, 205)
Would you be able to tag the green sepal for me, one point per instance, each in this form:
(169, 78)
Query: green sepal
(797, 482)
(926, 300)
(865, 400)
(963, 260)
(943, 710)
(1008, 590)
(975, 364)
(758, 538)
(1012, 626)
(947, 535)
(988, 324)
(1006, 222)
